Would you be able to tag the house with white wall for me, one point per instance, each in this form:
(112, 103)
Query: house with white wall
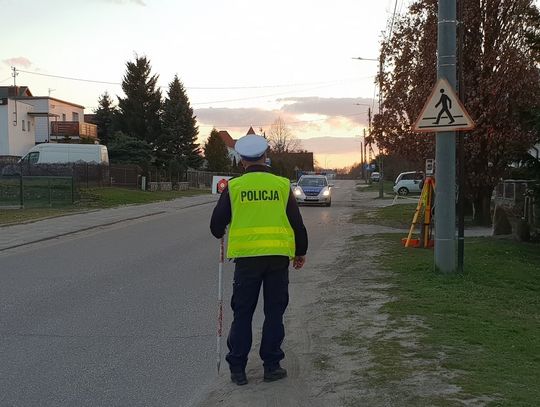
(51, 120)
(17, 125)
(230, 143)
(48, 112)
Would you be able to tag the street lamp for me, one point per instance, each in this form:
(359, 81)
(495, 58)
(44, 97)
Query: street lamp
(381, 171)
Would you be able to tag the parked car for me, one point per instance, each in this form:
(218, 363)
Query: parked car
(409, 182)
(313, 189)
(375, 177)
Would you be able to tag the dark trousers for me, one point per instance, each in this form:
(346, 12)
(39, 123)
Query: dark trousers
(250, 272)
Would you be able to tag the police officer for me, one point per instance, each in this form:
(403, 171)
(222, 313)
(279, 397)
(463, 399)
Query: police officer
(266, 231)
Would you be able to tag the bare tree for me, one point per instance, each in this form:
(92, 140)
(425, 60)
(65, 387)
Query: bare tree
(281, 139)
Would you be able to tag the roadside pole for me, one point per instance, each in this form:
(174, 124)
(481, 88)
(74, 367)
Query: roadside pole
(445, 154)
(461, 148)
(220, 304)
(381, 169)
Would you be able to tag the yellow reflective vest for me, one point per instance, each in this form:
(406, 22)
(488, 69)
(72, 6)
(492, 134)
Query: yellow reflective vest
(259, 224)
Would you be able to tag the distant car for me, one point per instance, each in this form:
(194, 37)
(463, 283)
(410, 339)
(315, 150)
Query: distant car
(375, 176)
(313, 189)
(409, 182)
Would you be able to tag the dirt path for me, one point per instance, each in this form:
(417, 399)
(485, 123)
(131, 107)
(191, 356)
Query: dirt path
(332, 324)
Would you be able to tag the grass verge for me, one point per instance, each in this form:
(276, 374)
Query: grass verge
(397, 216)
(94, 198)
(485, 321)
(374, 187)
(110, 197)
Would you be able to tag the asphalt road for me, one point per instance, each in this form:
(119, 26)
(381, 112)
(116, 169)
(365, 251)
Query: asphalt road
(120, 316)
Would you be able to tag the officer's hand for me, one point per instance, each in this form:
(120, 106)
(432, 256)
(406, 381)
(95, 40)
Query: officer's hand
(298, 262)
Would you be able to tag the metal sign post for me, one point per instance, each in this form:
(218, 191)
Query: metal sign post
(445, 153)
(444, 114)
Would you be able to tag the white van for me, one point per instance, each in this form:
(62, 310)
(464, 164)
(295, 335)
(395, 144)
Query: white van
(57, 153)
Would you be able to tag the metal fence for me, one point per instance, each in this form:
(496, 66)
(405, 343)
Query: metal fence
(203, 179)
(47, 185)
(37, 191)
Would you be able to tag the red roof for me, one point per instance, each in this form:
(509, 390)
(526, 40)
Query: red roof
(227, 139)
(250, 131)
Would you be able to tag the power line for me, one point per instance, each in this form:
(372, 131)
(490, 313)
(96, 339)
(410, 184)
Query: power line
(70, 78)
(393, 18)
(267, 86)
(3, 80)
(260, 96)
(193, 87)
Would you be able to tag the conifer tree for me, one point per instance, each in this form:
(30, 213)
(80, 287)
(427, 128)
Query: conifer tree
(215, 152)
(178, 141)
(105, 118)
(140, 110)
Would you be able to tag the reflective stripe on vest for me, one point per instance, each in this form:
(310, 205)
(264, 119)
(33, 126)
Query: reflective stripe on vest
(259, 224)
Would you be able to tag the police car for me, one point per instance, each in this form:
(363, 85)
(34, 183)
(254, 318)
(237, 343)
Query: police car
(313, 189)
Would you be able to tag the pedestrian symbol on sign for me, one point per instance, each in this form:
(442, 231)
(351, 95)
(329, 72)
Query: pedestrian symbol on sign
(446, 104)
(443, 111)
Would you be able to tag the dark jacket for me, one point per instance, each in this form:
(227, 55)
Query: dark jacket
(222, 214)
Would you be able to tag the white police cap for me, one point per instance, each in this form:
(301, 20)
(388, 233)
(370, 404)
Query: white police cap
(251, 147)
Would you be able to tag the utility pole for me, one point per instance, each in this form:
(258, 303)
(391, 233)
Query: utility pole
(369, 128)
(445, 155)
(461, 146)
(14, 73)
(363, 156)
(381, 165)
(15, 111)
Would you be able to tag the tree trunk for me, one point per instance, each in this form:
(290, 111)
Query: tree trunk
(482, 207)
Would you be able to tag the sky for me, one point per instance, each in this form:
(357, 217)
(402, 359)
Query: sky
(243, 62)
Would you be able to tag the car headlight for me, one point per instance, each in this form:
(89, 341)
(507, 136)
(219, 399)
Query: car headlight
(297, 191)
(326, 192)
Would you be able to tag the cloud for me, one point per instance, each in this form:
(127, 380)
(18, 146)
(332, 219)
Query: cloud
(355, 109)
(18, 61)
(223, 118)
(306, 117)
(332, 145)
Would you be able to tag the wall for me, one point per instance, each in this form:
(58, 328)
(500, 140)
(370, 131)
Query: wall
(21, 141)
(4, 140)
(56, 107)
(13, 139)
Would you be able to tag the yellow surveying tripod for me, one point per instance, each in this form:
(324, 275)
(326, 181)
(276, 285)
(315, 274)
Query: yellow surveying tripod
(426, 200)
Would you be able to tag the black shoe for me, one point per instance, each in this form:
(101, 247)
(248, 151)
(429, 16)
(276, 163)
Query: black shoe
(275, 374)
(239, 378)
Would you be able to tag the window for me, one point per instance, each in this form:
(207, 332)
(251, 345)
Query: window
(75, 116)
(23, 127)
(33, 157)
(407, 176)
(63, 117)
(312, 182)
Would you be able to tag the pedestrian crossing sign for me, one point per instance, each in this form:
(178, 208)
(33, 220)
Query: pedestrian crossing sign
(443, 111)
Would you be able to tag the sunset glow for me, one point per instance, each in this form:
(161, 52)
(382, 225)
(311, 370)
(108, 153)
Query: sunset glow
(243, 63)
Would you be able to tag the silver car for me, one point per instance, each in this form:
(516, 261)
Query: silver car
(313, 190)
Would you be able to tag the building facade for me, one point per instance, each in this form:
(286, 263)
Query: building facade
(27, 120)
(17, 127)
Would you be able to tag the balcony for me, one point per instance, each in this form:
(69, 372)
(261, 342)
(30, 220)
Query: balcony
(72, 130)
